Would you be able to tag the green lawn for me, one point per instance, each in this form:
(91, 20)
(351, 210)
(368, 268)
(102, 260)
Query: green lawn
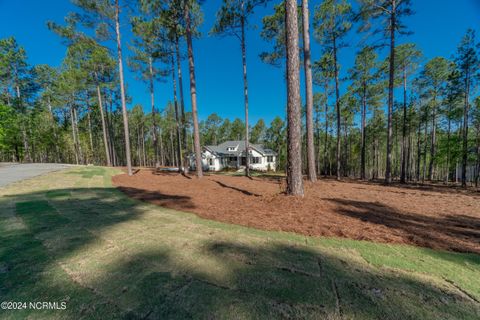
(69, 236)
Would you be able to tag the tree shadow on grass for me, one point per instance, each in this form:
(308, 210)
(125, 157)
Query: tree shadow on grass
(210, 278)
(48, 227)
(453, 232)
(162, 199)
(279, 281)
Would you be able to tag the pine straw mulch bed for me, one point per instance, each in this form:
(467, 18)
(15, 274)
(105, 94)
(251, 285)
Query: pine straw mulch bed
(429, 216)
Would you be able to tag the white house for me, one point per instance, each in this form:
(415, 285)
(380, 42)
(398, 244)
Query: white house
(231, 154)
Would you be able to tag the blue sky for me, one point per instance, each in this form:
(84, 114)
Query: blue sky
(438, 26)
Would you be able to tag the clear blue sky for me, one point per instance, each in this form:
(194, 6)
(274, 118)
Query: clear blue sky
(438, 26)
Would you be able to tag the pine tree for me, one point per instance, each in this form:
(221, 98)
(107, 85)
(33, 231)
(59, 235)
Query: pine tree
(363, 75)
(46, 77)
(258, 132)
(323, 75)
(468, 64)
(294, 153)
(273, 30)
(312, 174)
(188, 9)
(232, 20)
(331, 23)
(390, 13)
(408, 57)
(433, 79)
(104, 15)
(16, 73)
(147, 49)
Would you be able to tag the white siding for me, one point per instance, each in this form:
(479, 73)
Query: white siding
(262, 165)
(211, 162)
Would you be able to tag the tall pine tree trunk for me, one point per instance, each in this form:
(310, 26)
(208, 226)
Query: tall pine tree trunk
(345, 147)
(177, 117)
(122, 90)
(424, 173)
(55, 134)
(449, 125)
(364, 136)
(434, 139)
(139, 149)
(75, 121)
(294, 143)
(90, 134)
(162, 149)
(145, 159)
(173, 159)
(142, 144)
(419, 150)
(193, 93)
(182, 104)
(325, 146)
(318, 139)
(26, 147)
(245, 93)
(154, 112)
(104, 129)
(111, 129)
(408, 166)
(388, 169)
(375, 158)
(477, 173)
(465, 132)
(74, 136)
(337, 106)
(312, 174)
(404, 128)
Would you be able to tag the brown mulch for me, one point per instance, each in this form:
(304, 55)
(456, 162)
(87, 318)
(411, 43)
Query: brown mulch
(430, 216)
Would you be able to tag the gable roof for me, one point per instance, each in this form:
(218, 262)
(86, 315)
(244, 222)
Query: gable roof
(239, 146)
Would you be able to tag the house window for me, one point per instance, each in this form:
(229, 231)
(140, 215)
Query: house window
(210, 161)
(230, 148)
(269, 158)
(256, 160)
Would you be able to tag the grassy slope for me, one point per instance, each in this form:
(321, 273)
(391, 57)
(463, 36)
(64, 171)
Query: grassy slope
(69, 236)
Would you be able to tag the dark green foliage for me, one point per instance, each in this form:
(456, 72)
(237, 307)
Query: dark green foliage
(50, 114)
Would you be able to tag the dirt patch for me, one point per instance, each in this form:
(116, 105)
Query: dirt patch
(434, 217)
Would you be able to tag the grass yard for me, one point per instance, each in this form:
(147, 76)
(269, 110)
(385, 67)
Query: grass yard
(70, 236)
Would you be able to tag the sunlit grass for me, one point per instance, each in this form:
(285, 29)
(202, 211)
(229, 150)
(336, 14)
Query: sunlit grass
(69, 236)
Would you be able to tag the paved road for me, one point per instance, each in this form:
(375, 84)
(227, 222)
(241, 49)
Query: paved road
(10, 173)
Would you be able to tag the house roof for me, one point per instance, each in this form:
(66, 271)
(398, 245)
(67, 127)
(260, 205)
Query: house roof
(239, 145)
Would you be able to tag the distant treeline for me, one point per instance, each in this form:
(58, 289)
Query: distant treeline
(77, 113)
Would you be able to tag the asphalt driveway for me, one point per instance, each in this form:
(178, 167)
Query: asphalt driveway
(10, 172)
